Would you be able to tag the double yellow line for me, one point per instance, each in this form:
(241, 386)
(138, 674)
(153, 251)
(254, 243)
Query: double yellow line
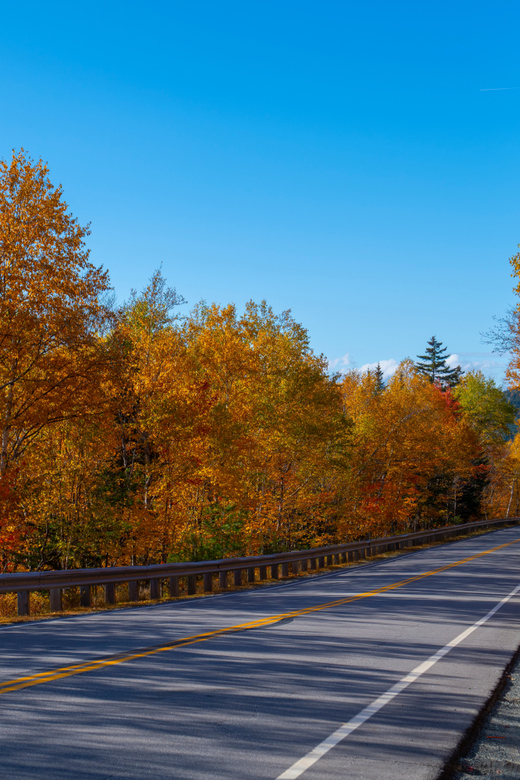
(91, 666)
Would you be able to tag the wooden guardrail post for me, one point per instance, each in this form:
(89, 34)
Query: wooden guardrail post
(84, 596)
(110, 593)
(133, 590)
(23, 602)
(222, 579)
(285, 569)
(251, 574)
(263, 572)
(191, 581)
(237, 577)
(155, 588)
(55, 598)
(174, 587)
(274, 571)
(208, 582)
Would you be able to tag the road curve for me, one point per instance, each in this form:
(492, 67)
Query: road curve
(368, 673)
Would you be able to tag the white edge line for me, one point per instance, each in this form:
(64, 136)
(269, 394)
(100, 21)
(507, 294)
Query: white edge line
(365, 714)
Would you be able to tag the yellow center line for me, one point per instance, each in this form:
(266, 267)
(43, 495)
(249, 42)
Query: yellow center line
(89, 666)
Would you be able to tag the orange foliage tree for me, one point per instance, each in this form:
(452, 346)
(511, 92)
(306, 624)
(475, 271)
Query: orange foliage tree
(50, 313)
(411, 449)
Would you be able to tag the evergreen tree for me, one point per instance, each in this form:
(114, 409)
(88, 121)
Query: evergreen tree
(377, 375)
(433, 365)
(380, 382)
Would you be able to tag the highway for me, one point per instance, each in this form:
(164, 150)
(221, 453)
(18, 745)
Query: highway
(365, 673)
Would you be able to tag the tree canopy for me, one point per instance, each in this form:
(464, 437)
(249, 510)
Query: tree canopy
(133, 434)
(50, 307)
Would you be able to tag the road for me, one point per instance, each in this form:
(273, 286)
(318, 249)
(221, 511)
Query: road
(367, 673)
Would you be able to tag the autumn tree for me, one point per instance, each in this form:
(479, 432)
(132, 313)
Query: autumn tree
(50, 310)
(496, 414)
(409, 447)
(487, 408)
(148, 343)
(502, 493)
(50, 307)
(246, 430)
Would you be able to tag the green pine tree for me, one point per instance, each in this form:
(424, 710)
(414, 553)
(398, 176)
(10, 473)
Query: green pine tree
(433, 365)
(377, 375)
(380, 382)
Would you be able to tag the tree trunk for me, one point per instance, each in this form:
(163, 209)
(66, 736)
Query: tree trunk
(7, 427)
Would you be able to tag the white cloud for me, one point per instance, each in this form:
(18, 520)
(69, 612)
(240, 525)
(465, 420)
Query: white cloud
(491, 365)
(488, 362)
(341, 364)
(388, 367)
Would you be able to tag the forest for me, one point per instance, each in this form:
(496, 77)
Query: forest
(138, 433)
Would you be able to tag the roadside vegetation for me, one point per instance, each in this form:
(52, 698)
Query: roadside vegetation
(144, 433)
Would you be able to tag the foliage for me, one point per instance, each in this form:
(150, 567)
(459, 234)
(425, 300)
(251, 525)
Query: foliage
(486, 407)
(411, 452)
(50, 309)
(137, 435)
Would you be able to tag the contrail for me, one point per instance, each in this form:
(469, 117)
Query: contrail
(497, 89)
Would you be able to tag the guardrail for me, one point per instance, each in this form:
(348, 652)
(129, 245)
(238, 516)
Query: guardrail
(241, 568)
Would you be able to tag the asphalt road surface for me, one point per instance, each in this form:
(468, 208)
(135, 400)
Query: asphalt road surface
(368, 673)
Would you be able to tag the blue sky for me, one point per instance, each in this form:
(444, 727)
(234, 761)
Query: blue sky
(356, 162)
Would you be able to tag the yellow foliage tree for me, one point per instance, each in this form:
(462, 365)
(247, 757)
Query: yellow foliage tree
(411, 447)
(50, 313)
